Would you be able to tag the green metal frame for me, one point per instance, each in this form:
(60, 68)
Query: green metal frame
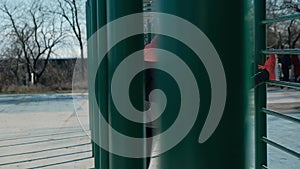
(260, 91)
(261, 139)
(281, 51)
(280, 19)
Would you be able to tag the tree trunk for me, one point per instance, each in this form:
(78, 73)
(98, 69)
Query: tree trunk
(82, 62)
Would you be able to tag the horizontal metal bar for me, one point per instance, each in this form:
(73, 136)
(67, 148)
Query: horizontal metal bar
(264, 167)
(280, 115)
(282, 18)
(281, 51)
(284, 84)
(276, 145)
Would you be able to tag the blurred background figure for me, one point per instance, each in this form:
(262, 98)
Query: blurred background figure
(296, 65)
(286, 63)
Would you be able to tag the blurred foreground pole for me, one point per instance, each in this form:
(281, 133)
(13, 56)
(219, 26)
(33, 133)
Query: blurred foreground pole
(99, 12)
(115, 10)
(226, 24)
(227, 27)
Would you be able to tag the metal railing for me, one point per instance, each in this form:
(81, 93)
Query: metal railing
(261, 139)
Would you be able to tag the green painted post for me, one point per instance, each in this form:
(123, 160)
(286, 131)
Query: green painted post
(115, 10)
(96, 18)
(98, 12)
(88, 30)
(260, 91)
(103, 161)
(94, 108)
(224, 24)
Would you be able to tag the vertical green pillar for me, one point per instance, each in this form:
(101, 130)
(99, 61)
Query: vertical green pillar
(115, 10)
(224, 23)
(90, 30)
(94, 108)
(102, 158)
(99, 12)
(260, 91)
(96, 18)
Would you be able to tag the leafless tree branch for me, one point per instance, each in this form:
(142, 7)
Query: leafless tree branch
(37, 37)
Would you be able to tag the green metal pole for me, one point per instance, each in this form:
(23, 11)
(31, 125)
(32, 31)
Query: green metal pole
(224, 24)
(115, 10)
(226, 148)
(90, 69)
(260, 91)
(96, 18)
(102, 159)
(92, 58)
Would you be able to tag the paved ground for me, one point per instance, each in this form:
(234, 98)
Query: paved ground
(43, 131)
(284, 132)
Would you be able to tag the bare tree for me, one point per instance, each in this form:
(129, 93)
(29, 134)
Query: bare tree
(292, 5)
(287, 33)
(293, 34)
(71, 11)
(11, 62)
(37, 33)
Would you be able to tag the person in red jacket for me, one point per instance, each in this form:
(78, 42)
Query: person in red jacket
(149, 55)
(267, 71)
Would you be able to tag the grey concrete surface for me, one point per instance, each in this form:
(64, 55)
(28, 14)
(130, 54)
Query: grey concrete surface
(43, 131)
(281, 131)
